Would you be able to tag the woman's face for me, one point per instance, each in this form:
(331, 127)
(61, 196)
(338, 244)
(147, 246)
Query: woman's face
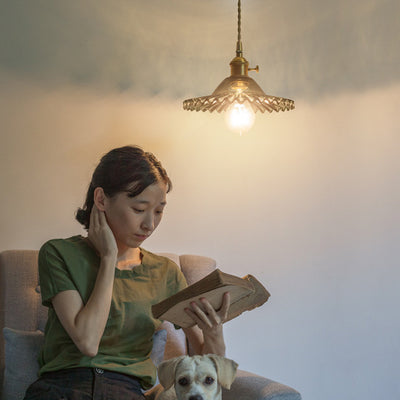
(133, 219)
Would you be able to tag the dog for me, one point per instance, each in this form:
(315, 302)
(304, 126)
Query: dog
(196, 377)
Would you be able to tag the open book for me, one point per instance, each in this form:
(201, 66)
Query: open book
(246, 293)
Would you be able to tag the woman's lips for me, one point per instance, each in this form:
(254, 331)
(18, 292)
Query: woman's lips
(142, 237)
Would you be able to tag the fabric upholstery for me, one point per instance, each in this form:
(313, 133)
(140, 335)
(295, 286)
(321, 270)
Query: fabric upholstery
(21, 353)
(20, 306)
(196, 267)
(20, 292)
(248, 386)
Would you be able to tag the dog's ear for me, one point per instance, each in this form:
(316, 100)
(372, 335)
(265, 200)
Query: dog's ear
(226, 370)
(166, 371)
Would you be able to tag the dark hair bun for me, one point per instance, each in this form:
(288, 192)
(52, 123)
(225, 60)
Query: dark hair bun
(83, 217)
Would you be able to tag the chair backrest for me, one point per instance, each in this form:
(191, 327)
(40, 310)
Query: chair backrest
(20, 302)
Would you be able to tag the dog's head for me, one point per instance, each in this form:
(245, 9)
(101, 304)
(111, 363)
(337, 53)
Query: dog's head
(197, 377)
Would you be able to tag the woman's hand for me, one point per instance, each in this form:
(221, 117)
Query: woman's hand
(211, 323)
(101, 235)
(207, 318)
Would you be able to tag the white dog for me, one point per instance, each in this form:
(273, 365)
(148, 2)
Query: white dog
(196, 378)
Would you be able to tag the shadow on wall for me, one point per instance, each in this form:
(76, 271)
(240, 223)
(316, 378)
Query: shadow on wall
(305, 49)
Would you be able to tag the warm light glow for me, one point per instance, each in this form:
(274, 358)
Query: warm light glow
(240, 117)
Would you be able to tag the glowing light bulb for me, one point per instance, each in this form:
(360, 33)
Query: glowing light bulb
(240, 117)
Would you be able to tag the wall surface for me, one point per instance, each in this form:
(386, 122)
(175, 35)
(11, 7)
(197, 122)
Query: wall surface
(307, 201)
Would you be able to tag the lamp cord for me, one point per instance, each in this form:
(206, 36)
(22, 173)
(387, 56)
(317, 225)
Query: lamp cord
(239, 49)
(239, 21)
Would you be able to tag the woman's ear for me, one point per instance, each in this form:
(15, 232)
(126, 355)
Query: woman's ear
(99, 198)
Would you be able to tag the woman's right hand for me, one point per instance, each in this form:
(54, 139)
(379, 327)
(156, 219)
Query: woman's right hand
(101, 235)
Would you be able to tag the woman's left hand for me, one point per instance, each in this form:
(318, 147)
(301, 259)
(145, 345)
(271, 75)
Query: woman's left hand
(208, 319)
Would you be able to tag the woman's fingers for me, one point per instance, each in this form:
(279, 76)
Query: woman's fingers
(223, 312)
(93, 217)
(198, 316)
(102, 218)
(202, 315)
(206, 315)
(209, 312)
(100, 233)
(220, 315)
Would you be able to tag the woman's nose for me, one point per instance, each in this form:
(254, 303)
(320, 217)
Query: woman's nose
(148, 222)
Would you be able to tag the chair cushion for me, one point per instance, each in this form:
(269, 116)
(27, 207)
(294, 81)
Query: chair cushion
(21, 361)
(159, 341)
(21, 358)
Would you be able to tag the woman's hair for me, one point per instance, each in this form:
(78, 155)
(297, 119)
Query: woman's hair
(125, 169)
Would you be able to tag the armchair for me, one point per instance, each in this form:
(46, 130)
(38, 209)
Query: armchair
(21, 310)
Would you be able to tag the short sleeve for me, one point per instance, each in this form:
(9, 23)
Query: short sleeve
(53, 273)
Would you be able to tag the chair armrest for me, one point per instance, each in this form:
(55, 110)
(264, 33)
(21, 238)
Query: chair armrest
(249, 386)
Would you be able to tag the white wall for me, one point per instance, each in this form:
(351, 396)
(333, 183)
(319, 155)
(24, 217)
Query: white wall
(307, 201)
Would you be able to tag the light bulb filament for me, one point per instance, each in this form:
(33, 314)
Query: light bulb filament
(240, 117)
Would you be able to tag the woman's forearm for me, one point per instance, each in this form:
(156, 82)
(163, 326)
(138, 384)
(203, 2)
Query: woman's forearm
(91, 321)
(214, 345)
(85, 323)
(205, 344)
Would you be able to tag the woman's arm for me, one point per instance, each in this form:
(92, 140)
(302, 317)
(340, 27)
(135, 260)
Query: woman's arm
(207, 336)
(85, 323)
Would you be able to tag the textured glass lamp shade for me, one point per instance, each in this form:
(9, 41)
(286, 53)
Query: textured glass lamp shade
(238, 89)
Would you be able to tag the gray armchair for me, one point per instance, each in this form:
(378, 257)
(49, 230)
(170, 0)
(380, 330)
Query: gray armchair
(22, 312)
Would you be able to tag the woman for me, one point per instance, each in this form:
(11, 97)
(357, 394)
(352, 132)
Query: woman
(100, 288)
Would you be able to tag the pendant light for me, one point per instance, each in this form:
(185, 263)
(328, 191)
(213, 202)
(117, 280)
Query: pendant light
(239, 95)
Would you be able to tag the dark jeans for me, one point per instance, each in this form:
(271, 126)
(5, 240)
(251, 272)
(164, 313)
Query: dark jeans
(85, 384)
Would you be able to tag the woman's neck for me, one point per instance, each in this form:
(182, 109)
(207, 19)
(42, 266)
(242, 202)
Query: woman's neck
(129, 258)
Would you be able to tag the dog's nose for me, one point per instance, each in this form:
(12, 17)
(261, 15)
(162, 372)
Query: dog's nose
(196, 397)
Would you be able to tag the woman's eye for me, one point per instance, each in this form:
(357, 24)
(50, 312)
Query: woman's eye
(137, 210)
(209, 380)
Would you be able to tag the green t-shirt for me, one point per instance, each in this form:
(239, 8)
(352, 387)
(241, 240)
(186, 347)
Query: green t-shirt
(72, 264)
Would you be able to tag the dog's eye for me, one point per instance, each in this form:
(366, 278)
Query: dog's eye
(209, 380)
(183, 381)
